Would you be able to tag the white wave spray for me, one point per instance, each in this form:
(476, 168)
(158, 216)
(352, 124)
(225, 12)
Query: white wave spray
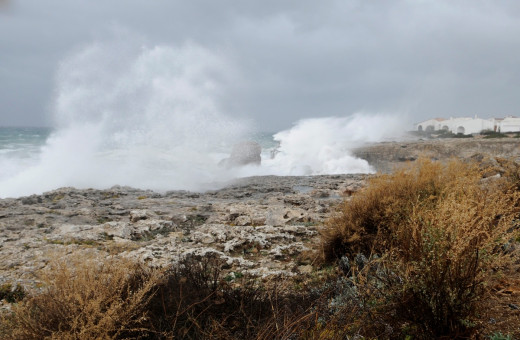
(149, 118)
(138, 116)
(320, 146)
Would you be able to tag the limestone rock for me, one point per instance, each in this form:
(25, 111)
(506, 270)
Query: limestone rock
(257, 225)
(244, 153)
(137, 215)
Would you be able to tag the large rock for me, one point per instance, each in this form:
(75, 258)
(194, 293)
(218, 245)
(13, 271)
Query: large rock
(244, 153)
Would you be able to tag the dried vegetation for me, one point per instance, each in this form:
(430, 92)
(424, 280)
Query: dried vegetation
(438, 237)
(120, 299)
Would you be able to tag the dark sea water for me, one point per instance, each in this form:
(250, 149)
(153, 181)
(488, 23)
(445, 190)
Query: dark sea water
(20, 148)
(23, 142)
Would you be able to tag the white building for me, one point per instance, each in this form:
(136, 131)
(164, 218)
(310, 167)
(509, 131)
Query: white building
(509, 124)
(430, 125)
(467, 125)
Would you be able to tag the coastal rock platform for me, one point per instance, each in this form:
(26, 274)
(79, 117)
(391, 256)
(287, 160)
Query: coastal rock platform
(385, 156)
(258, 225)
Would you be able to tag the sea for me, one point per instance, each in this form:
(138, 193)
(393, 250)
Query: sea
(20, 148)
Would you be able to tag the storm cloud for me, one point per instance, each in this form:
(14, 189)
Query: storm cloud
(292, 59)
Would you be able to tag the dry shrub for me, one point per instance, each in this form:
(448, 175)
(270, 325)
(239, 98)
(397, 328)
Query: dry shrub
(437, 232)
(423, 251)
(121, 299)
(194, 302)
(366, 222)
(86, 299)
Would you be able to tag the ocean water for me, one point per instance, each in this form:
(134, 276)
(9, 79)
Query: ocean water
(20, 148)
(150, 118)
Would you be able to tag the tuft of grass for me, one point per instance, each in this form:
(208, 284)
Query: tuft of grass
(103, 219)
(85, 299)
(79, 242)
(57, 197)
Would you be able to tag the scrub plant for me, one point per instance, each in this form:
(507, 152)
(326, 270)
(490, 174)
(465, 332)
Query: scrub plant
(117, 298)
(85, 299)
(437, 232)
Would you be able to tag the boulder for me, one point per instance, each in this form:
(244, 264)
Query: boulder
(244, 153)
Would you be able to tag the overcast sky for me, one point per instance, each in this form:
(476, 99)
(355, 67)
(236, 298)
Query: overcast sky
(296, 59)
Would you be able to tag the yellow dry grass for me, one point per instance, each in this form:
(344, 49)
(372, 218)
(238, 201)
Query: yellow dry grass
(85, 298)
(441, 244)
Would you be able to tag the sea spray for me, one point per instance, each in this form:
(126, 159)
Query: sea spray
(149, 117)
(137, 116)
(318, 146)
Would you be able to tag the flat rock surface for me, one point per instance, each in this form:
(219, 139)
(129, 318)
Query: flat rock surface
(258, 225)
(386, 156)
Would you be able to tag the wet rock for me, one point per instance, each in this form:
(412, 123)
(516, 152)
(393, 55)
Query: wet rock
(244, 153)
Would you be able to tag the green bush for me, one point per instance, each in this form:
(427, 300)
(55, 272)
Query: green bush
(11, 294)
(493, 134)
(500, 336)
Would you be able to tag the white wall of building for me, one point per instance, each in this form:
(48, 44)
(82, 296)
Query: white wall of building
(429, 125)
(467, 125)
(510, 124)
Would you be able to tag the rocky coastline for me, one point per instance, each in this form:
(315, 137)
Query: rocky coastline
(259, 225)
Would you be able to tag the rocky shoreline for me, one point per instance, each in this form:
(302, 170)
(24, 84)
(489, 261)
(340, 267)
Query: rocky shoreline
(258, 225)
(384, 157)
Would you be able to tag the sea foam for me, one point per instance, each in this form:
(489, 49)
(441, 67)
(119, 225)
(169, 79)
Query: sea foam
(324, 145)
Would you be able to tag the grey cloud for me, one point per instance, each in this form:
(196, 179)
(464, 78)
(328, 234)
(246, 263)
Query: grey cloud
(295, 59)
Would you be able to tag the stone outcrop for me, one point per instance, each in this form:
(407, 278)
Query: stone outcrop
(244, 153)
(258, 225)
(384, 157)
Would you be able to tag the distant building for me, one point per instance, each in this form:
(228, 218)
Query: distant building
(467, 125)
(509, 124)
(430, 125)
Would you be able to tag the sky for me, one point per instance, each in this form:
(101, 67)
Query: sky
(292, 59)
